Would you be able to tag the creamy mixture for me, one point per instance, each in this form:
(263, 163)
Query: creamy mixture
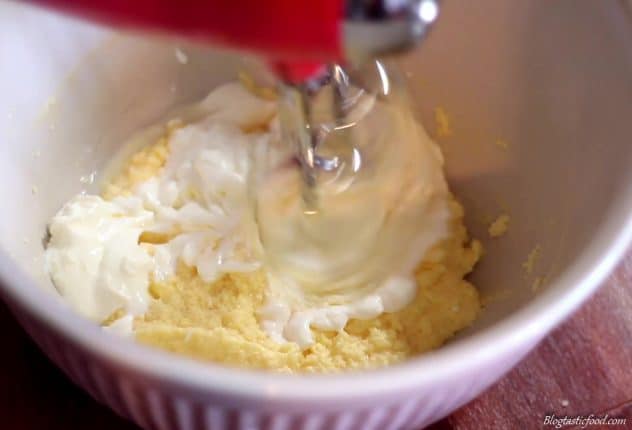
(171, 253)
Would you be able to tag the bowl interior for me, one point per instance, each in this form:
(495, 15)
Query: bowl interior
(551, 83)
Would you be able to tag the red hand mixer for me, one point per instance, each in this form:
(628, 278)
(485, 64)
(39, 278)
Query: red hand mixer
(295, 36)
(308, 43)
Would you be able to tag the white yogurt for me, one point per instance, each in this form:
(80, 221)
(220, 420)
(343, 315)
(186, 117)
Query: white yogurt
(94, 258)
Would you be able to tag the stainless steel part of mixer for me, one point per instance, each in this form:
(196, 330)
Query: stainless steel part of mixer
(374, 28)
(371, 29)
(298, 127)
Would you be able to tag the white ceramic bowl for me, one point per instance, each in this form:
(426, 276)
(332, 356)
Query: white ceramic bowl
(553, 80)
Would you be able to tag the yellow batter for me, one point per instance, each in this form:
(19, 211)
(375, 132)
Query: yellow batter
(218, 321)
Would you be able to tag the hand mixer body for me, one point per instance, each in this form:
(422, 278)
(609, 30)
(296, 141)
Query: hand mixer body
(296, 37)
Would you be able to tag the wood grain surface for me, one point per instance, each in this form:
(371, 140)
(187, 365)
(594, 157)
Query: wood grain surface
(584, 367)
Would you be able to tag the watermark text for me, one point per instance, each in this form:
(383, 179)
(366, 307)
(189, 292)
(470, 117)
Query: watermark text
(582, 421)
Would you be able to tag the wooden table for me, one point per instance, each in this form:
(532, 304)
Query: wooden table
(584, 367)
